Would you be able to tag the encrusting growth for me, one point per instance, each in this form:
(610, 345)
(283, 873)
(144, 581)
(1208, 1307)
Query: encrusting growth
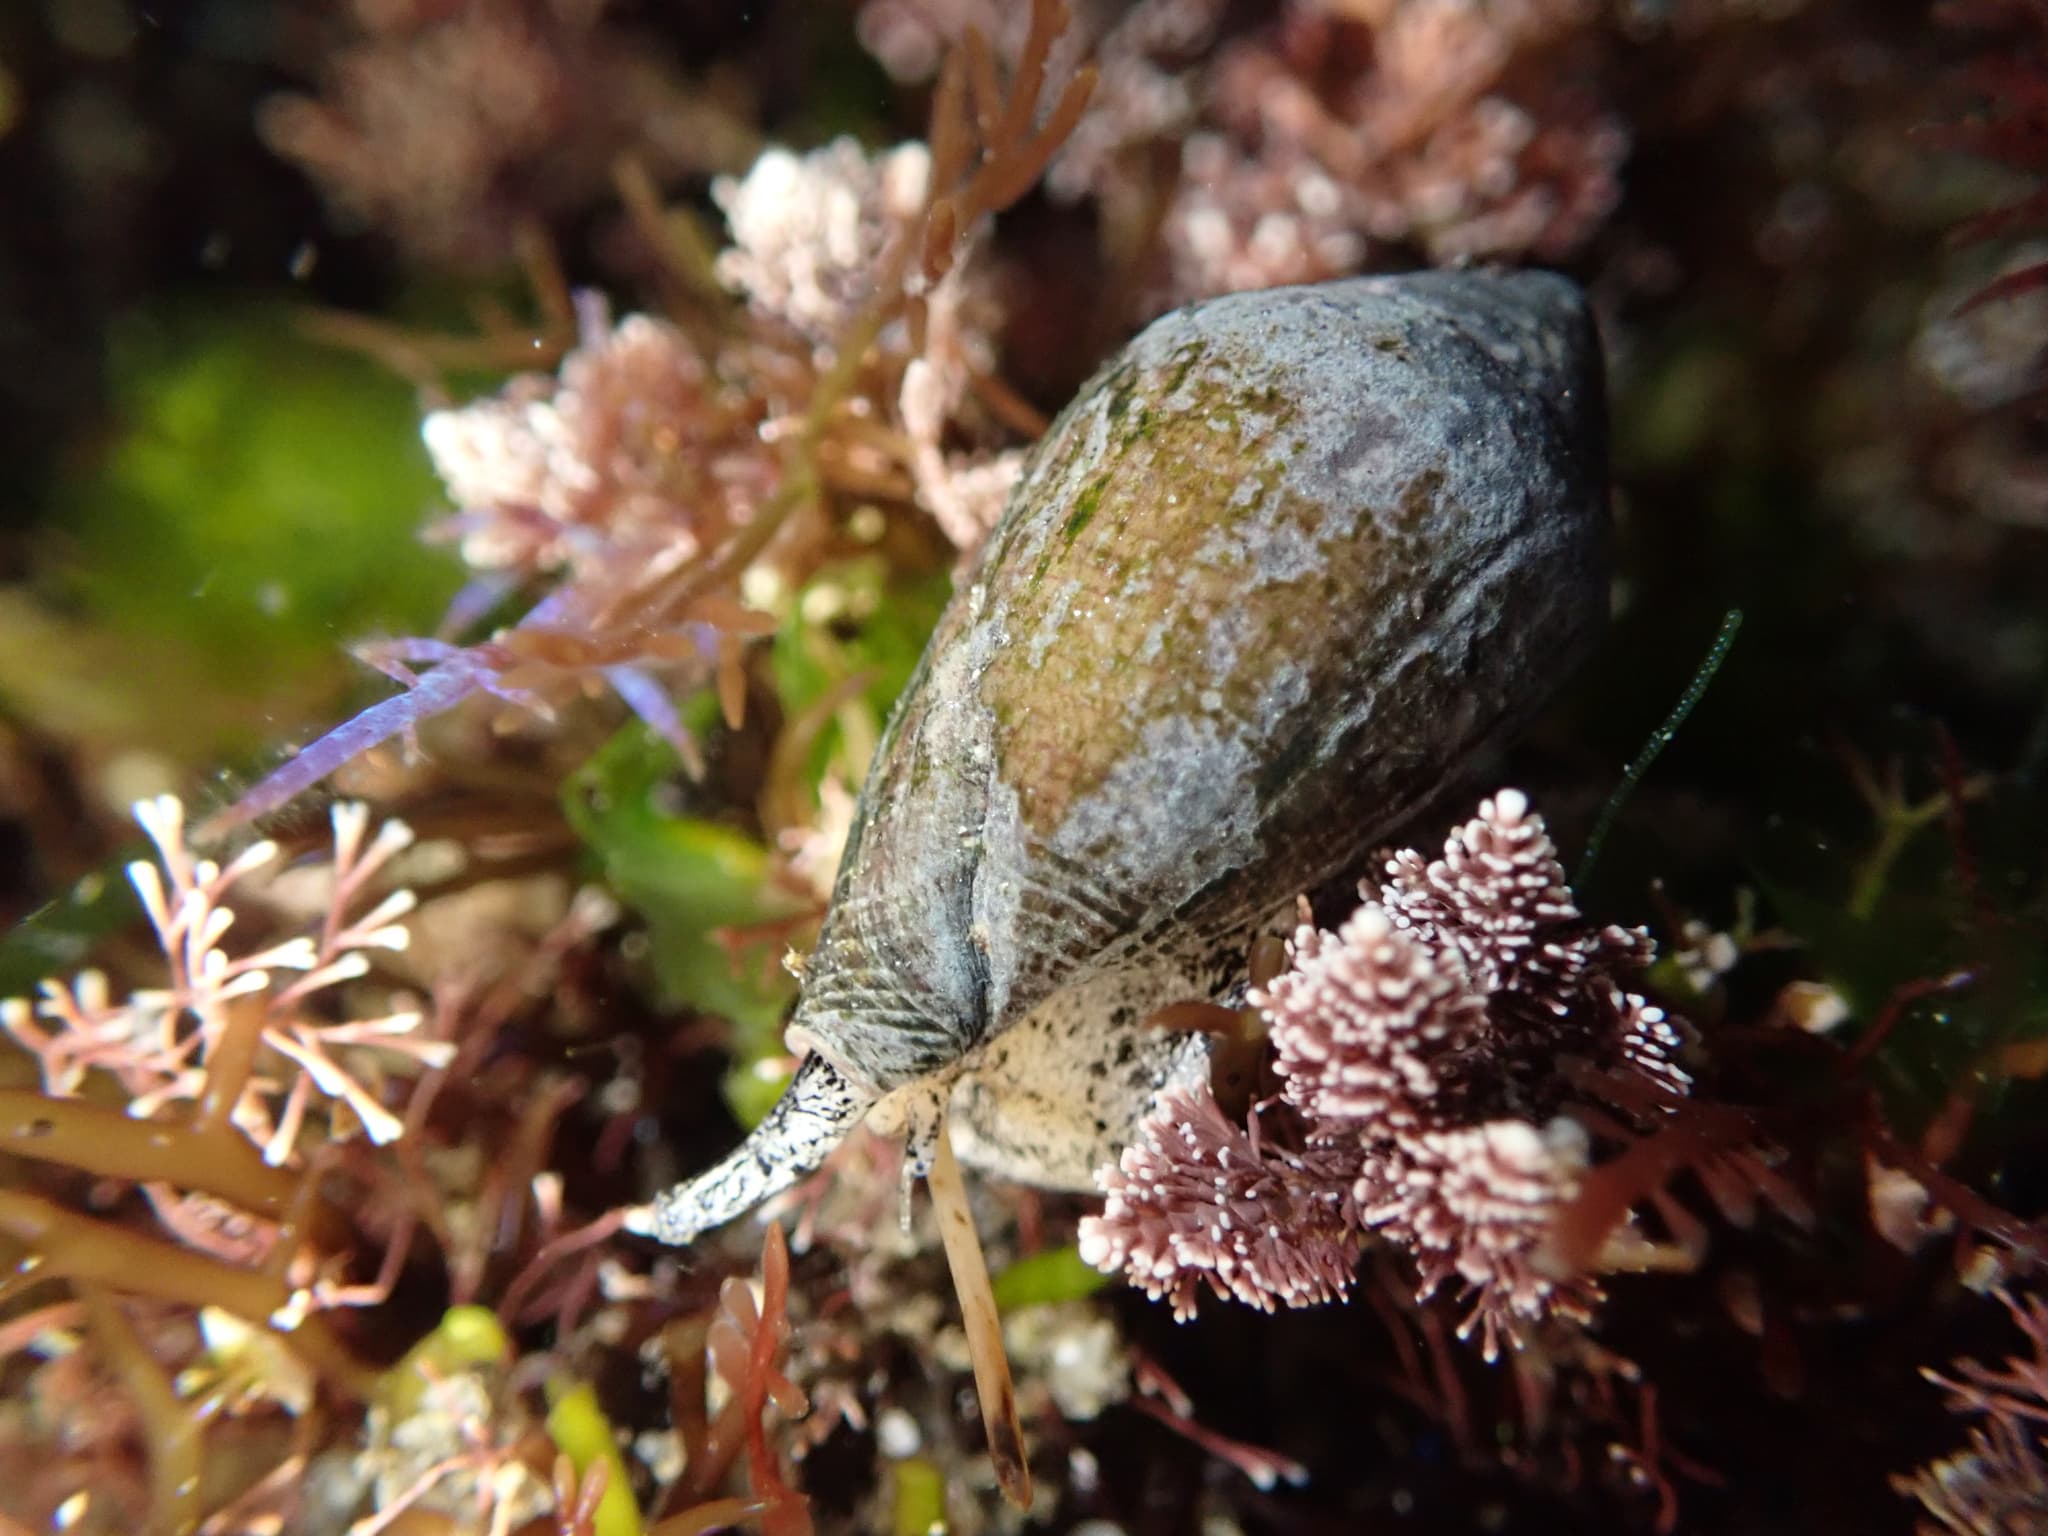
(1421, 1049)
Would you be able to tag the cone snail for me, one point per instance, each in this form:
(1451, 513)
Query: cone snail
(1284, 566)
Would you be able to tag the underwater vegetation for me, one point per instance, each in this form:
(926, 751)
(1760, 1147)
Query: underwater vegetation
(499, 481)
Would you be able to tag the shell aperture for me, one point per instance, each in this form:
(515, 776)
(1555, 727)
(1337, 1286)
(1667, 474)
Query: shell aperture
(1287, 562)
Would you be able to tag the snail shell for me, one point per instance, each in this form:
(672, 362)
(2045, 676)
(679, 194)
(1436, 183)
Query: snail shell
(1289, 561)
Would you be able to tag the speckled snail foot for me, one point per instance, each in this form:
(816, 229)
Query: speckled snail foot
(1283, 566)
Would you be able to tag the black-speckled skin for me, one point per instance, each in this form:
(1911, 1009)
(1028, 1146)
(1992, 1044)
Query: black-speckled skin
(1279, 570)
(1286, 560)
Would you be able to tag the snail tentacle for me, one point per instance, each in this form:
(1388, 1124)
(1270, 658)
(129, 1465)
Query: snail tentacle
(814, 1114)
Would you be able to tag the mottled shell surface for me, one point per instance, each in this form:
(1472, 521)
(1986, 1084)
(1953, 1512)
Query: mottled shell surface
(1282, 566)
(1288, 558)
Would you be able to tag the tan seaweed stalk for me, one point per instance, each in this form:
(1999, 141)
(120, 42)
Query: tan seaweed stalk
(110, 1145)
(173, 1429)
(68, 1246)
(714, 1515)
(992, 1384)
(424, 357)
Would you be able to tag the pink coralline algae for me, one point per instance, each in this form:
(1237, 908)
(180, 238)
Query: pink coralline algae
(1422, 1051)
(444, 126)
(1202, 1200)
(631, 458)
(603, 494)
(1467, 129)
(285, 998)
(605, 478)
(808, 231)
(1340, 136)
(1498, 900)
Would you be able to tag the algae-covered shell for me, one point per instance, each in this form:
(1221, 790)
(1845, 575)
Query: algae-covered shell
(1281, 567)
